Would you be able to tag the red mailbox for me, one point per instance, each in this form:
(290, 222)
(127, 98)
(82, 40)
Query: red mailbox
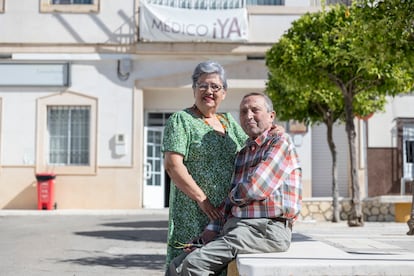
(45, 191)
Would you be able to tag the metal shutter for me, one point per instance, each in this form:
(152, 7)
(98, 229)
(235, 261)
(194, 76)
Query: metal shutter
(322, 161)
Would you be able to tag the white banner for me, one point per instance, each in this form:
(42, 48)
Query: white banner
(163, 23)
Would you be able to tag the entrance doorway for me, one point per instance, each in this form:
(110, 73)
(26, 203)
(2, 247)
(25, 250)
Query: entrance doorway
(406, 146)
(153, 169)
(156, 180)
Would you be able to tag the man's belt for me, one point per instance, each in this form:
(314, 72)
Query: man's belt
(285, 221)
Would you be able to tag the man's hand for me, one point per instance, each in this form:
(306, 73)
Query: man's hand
(208, 235)
(205, 237)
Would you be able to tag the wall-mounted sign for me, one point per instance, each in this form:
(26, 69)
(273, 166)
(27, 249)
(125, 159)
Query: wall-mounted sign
(296, 127)
(34, 74)
(163, 23)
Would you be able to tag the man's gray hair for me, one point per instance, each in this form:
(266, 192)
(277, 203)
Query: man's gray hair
(268, 101)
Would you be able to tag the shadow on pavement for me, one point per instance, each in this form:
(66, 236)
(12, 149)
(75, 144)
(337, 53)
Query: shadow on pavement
(300, 237)
(139, 224)
(129, 235)
(155, 234)
(153, 262)
(147, 231)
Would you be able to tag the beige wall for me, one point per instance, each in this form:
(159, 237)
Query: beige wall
(110, 189)
(18, 188)
(114, 186)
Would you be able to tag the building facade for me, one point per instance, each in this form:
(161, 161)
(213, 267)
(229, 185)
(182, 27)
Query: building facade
(390, 148)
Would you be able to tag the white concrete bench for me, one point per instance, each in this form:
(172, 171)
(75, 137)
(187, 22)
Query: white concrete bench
(311, 257)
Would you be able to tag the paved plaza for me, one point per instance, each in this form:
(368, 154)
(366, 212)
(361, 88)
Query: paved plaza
(82, 243)
(64, 242)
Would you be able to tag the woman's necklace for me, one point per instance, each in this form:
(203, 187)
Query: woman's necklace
(219, 117)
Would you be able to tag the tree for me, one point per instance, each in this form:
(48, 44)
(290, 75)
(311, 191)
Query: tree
(311, 107)
(313, 101)
(335, 59)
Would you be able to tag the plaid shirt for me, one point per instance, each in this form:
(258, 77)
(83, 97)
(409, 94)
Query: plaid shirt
(266, 182)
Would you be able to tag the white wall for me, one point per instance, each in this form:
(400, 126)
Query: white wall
(91, 78)
(115, 23)
(382, 128)
(18, 126)
(299, 3)
(276, 26)
(22, 22)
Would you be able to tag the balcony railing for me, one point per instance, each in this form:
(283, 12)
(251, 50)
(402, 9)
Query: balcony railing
(234, 4)
(318, 3)
(215, 4)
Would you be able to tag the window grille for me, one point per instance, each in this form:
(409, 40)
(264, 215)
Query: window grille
(72, 2)
(69, 135)
(69, 6)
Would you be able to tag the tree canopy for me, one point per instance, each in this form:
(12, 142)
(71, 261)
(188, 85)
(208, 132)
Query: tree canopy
(342, 62)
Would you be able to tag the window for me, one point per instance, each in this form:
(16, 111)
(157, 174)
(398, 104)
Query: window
(69, 6)
(71, 2)
(266, 2)
(157, 119)
(68, 128)
(66, 134)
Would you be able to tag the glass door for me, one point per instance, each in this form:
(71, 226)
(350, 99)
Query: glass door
(153, 168)
(408, 155)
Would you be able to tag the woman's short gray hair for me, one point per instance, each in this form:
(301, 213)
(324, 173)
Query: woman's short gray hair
(209, 67)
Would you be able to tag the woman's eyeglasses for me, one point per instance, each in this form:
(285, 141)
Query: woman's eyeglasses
(204, 87)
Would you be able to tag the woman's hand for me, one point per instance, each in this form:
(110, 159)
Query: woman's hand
(277, 130)
(210, 210)
(174, 164)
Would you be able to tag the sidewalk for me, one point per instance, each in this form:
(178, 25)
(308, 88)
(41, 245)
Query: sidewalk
(325, 248)
(132, 242)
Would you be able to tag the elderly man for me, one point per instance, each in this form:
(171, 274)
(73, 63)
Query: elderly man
(263, 202)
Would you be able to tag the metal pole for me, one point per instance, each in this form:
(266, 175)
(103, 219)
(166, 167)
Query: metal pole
(410, 222)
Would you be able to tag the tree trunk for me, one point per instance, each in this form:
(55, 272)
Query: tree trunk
(335, 193)
(355, 217)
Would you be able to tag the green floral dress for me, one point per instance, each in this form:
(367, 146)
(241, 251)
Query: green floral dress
(209, 158)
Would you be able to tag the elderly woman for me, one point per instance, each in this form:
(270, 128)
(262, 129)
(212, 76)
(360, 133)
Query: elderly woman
(199, 149)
